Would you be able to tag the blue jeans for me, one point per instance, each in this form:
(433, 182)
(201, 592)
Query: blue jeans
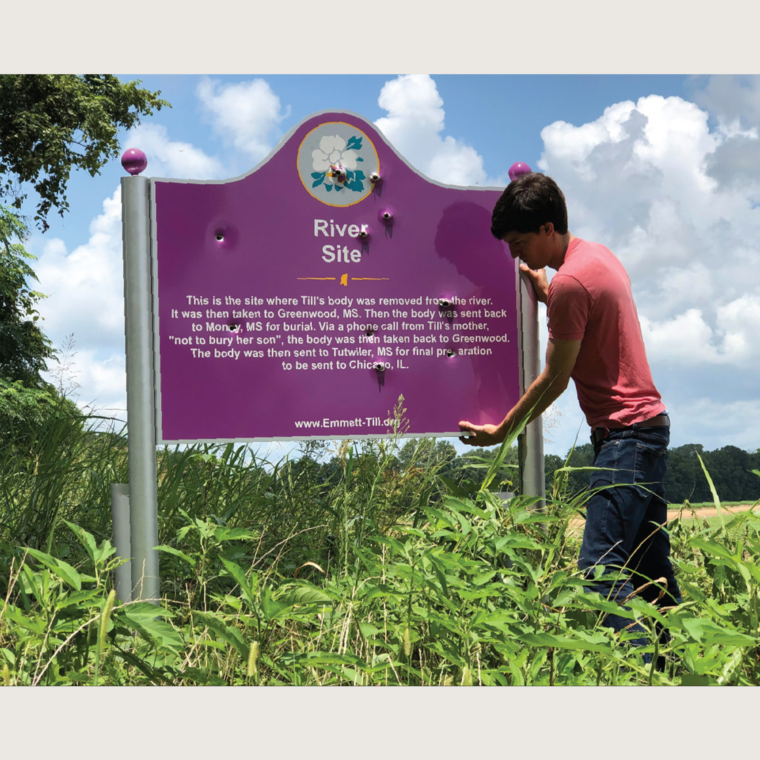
(622, 521)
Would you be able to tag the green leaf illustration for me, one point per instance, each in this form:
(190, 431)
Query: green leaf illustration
(319, 181)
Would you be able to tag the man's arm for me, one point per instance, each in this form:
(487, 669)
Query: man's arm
(544, 390)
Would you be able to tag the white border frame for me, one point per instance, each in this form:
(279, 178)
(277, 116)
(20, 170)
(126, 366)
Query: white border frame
(523, 336)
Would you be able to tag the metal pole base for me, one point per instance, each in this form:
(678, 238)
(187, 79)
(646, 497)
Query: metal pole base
(120, 513)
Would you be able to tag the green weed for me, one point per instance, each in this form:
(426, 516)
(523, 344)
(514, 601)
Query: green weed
(368, 564)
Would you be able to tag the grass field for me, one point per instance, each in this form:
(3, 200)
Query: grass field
(361, 572)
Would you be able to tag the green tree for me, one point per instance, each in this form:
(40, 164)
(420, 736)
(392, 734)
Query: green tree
(582, 456)
(23, 346)
(469, 469)
(50, 124)
(552, 463)
(731, 470)
(684, 479)
(26, 400)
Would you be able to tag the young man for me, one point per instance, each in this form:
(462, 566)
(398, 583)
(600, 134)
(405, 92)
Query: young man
(595, 338)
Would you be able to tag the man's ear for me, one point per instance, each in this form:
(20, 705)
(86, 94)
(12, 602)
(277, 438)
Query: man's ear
(548, 227)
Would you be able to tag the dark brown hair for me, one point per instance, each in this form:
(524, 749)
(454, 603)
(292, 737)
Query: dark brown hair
(527, 204)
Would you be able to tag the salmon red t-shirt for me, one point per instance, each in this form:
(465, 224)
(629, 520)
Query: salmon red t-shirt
(590, 300)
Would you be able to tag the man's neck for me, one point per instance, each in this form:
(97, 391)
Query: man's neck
(563, 242)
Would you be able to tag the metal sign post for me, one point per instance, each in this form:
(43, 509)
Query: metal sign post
(143, 500)
(530, 444)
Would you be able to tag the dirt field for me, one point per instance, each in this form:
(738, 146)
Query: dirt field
(686, 514)
(709, 511)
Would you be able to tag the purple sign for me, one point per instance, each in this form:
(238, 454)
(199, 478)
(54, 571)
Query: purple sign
(302, 299)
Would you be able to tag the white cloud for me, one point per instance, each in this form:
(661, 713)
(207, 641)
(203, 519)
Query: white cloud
(414, 125)
(245, 114)
(716, 422)
(677, 201)
(685, 340)
(739, 321)
(735, 102)
(85, 286)
(85, 298)
(171, 159)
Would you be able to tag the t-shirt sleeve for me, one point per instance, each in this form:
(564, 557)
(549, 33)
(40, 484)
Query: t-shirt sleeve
(568, 308)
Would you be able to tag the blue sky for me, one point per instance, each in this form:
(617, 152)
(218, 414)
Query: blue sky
(661, 169)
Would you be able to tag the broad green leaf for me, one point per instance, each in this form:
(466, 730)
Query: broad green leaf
(395, 545)
(104, 551)
(466, 525)
(233, 534)
(142, 617)
(177, 553)
(79, 597)
(238, 574)
(564, 642)
(479, 580)
(598, 602)
(711, 633)
(371, 591)
(35, 625)
(440, 574)
(712, 547)
(86, 539)
(454, 488)
(32, 582)
(269, 606)
(140, 610)
(410, 531)
(304, 595)
(368, 630)
(515, 541)
(156, 675)
(201, 677)
(692, 679)
(693, 590)
(464, 505)
(62, 569)
(225, 632)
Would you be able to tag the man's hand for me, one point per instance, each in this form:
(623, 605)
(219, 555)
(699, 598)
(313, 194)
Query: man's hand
(483, 435)
(545, 389)
(538, 280)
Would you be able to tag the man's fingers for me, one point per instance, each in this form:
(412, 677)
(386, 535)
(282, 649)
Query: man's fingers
(467, 427)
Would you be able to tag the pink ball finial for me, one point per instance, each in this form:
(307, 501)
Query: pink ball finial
(134, 160)
(517, 170)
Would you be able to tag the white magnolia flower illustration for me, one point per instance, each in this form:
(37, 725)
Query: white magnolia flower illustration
(332, 152)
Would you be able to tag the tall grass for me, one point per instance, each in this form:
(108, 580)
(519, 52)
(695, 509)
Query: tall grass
(343, 567)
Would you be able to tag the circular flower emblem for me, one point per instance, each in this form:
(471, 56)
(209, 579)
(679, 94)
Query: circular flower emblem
(334, 161)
